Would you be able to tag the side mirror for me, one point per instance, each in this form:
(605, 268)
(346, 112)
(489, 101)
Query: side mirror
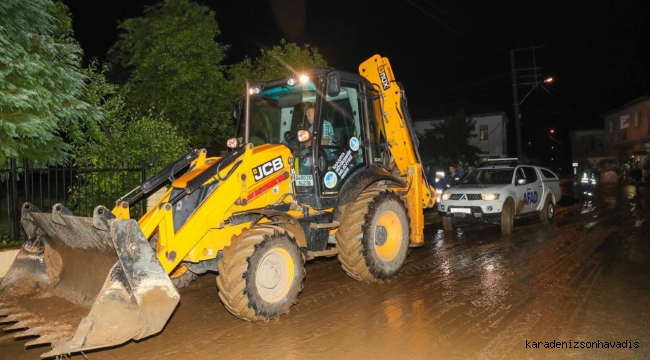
(333, 84)
(236, 110)
(522, 182)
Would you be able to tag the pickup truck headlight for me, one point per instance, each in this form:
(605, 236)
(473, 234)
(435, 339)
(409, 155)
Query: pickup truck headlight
(446, 196)
(490, 197)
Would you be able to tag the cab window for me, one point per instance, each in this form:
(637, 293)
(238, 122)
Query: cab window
(531, 174)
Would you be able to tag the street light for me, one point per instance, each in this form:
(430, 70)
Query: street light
(552, 131)
(548, 80)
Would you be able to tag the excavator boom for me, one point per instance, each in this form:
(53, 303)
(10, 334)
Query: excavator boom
(402, 141)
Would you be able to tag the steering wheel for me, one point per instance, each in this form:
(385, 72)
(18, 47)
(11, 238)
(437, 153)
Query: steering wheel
(291, 139)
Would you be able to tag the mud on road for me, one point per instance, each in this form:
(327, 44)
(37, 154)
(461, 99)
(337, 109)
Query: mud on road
(467, 294)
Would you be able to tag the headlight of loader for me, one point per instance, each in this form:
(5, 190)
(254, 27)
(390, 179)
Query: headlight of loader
(303, 135)
(446, 196)
(489, 197)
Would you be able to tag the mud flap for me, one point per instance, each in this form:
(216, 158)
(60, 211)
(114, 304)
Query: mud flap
(94, 283)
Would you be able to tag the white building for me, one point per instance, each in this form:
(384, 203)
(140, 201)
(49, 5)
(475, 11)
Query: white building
(489, 129)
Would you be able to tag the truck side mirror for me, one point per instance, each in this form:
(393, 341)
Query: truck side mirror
(522, 182)
(333, 84)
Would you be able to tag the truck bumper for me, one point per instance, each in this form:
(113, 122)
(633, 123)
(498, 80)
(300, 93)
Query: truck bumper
(477, 216)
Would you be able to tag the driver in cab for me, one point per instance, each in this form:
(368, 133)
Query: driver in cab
(328, 130)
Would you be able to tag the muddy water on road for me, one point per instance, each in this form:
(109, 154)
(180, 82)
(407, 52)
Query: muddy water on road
(468, 294)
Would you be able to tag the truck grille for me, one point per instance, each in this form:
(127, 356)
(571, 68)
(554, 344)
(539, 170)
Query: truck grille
(468, 196)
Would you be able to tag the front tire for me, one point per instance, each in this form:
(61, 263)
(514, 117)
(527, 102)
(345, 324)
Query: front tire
(447, 223)
(373, 240)
(261, 274)
(507, 217)
(181, 276)
(547, 213)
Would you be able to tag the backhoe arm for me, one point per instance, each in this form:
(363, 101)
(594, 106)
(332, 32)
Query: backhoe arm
(402, 141)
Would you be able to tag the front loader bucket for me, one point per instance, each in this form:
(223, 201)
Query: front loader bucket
(84, 283)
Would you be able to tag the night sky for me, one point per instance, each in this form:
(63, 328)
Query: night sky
(444, 52)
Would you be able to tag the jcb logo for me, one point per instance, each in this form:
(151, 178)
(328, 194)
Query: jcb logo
(268, 168)
(383, 77)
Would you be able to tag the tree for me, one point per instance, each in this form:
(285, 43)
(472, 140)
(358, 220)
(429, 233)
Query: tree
(40, 80)
(278, 62)
(175, 66)
(123, 139)
(447, 142)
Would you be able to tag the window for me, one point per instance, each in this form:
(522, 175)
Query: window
(611, 127)
(378, 144)
(637, 118)
(547, 174)
(483, 132)
(531, 174)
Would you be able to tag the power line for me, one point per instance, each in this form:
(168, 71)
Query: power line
(476, 91)
(458, 22)
(455, 31)
(464, 86)
(548, 111)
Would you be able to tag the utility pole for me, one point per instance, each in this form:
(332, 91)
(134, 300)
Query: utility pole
(516, 103)
(515, 93)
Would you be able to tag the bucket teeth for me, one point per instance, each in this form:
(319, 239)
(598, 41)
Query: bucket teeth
(14, 318)
(32, 331)
(23, 324)
(45, 339)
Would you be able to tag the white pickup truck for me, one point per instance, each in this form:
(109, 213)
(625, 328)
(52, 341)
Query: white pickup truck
(500, 191)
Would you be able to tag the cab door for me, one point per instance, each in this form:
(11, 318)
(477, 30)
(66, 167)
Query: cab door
(521, 188)
(533, 187)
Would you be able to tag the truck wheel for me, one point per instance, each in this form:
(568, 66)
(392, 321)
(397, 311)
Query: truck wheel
(373, 240)
(447, 223)
(261, 274)
(507, 217)
(181, 276)
(548, 211)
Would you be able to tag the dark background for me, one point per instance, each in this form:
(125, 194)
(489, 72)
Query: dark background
(445, 52)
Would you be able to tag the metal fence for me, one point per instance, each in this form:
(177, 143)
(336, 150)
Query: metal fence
(79, 189)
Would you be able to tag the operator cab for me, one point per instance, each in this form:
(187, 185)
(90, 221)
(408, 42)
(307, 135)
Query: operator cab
(327, 122)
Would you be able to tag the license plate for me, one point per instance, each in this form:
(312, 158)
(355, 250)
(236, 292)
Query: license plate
(461, 210)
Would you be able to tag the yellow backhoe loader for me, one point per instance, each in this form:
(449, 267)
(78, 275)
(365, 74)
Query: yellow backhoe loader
(325, 163)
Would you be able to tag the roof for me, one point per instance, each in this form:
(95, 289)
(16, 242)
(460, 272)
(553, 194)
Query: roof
(633, 102)
(505, 163)
(428, 112)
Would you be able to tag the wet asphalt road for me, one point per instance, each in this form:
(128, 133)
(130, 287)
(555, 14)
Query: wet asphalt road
(473, 293)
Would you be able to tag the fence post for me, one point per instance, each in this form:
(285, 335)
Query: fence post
(26, 179)
(144, 178)
(15, 216)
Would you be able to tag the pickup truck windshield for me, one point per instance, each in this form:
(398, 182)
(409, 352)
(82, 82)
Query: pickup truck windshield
(489, 177)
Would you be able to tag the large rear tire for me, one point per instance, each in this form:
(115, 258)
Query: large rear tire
(547, 213)
(373, 240)
(507, 217)
(261, 274)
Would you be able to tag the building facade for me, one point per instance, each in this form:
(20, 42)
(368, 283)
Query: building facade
(627, 133)
(489, 132)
